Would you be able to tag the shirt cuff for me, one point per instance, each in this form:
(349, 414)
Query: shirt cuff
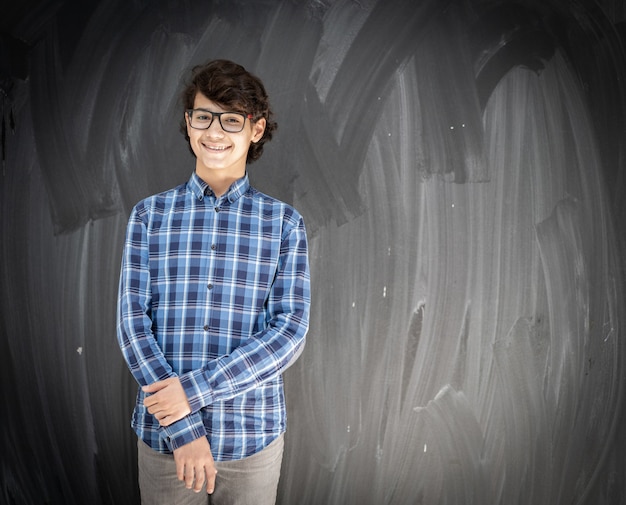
(185, 431)
(197, 389)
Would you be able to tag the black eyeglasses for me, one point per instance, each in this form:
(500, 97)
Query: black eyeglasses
(231, 122)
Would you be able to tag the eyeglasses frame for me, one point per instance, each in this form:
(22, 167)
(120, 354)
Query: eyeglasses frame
(219, 117)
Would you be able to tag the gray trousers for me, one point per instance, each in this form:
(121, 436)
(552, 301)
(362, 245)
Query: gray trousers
(249, 481)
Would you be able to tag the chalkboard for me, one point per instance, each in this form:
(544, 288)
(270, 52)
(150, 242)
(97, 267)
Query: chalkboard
(460, 168)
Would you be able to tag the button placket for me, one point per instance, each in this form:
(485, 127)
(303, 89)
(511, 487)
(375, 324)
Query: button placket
(212, 259)
(210, 285)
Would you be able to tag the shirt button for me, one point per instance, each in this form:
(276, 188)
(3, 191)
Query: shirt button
(217, 209)
(213, 247)
(206, 327)
(209, 286)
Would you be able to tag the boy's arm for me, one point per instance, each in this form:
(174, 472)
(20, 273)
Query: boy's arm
(134, 330)
(267, 354)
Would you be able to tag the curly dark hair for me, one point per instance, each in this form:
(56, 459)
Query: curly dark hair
(232, 87)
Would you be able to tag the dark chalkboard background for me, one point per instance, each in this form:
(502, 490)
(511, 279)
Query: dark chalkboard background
(460, 166)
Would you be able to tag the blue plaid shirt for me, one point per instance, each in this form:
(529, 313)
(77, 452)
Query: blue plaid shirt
(215, 291)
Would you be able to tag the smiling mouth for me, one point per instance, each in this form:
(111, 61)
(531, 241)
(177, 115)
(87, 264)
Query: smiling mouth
(216, 148)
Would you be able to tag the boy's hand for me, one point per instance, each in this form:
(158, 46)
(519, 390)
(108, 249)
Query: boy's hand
(195, 465)
(168, 401)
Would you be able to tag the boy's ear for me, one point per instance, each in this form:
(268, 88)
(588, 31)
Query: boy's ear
(258, 129)
(187, 123)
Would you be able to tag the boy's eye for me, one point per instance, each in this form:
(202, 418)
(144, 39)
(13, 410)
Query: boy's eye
(232, 119)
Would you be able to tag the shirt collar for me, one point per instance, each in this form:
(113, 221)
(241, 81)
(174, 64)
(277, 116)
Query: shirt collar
(200, 188)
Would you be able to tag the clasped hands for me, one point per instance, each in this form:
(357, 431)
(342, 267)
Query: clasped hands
(168, 403)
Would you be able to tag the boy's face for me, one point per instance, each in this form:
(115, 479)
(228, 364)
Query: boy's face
(220, 154)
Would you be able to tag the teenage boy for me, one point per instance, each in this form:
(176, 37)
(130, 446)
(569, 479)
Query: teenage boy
(213, 306)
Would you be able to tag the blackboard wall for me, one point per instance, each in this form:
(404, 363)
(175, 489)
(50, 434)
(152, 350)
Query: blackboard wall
(460, 166)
